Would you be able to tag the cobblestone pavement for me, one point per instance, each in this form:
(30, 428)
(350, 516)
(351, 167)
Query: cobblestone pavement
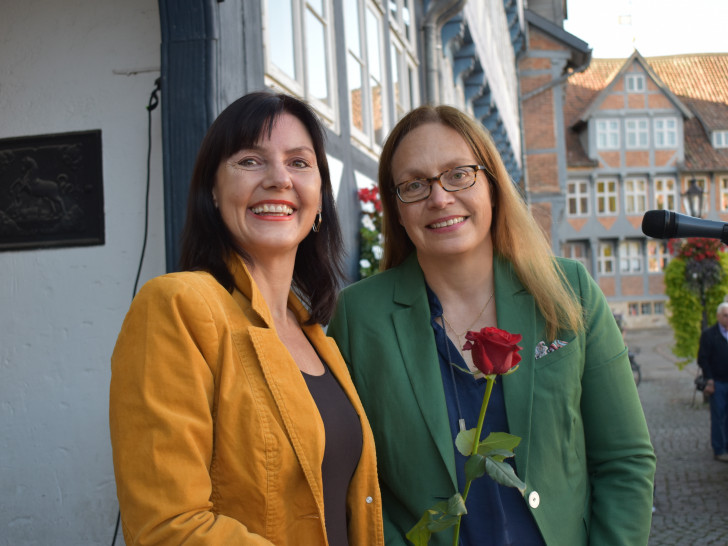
(691, 488)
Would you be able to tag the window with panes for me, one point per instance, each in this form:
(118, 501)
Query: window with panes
(635, 195)
(635, 82)
(637, 133)
(665, 193)
(665, 132)
(577, 250)
(403, 53)
(607, 134)
(630, 256)
(363, 22)
(605, 258)
(723, 189)
(720, 139)
(658, 256)
(299, 56)
(577, 198)
(702, 183)
(606, 196)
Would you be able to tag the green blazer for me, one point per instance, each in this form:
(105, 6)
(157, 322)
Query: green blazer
(585, 454)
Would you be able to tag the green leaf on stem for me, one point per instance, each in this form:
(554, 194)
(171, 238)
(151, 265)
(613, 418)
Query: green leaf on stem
(474, 467)
(498, 440)
(438, 518)
(504, 474)
(464, 441)
(498, 454)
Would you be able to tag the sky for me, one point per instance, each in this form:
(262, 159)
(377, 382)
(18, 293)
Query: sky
(614, 28)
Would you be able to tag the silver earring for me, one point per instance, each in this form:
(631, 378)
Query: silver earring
(317, 223)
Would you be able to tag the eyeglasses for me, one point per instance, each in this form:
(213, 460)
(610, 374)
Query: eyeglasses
(456, 179)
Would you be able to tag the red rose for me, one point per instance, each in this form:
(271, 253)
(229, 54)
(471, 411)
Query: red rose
(494, 351)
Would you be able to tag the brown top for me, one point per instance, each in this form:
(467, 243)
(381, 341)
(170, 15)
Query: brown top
(342, 451)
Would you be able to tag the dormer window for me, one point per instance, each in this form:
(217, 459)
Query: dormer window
(635, 83)
(607, 134)
(637, 131)
(720, 139)
(665, 132)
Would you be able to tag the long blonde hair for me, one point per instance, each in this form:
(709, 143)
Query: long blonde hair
(515, 234)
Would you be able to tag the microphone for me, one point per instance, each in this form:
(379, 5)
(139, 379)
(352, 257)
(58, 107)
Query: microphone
(666, 224)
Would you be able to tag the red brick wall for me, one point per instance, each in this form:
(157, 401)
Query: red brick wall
(607, 221)
(543, 216)
(665, 158)
(538, 121)
(658, 101)
(632, 285)
(656, 284)
(543, 174)
(612, 102)
(636, 101)
(608, 286)
(577, 223)
(639, 158)
(609, 159)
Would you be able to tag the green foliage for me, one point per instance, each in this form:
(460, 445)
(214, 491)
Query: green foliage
(685, 277)
(438, 518)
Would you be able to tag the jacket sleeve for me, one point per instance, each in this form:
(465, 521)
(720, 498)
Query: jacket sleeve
(162, 397)
(704, 354)
(620, 457)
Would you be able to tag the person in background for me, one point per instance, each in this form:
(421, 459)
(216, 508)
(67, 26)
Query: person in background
(233, 417)
(713, 360)
(462, 252)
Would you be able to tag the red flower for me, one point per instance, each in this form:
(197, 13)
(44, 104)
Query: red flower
(494, 351)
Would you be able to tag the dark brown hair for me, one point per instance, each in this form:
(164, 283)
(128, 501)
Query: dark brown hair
(207, 244)
(516, 235)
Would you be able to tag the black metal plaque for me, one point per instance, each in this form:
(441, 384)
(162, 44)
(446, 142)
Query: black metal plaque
(51, 191)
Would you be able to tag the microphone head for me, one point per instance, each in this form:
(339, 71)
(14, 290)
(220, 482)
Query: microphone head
(655, 223)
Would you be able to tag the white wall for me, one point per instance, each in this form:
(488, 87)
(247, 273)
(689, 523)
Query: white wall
(61, 309)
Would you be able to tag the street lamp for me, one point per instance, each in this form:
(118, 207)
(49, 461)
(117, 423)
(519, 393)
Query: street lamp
(693, 199)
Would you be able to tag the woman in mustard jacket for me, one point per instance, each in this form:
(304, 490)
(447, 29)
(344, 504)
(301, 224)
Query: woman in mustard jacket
(233, 417)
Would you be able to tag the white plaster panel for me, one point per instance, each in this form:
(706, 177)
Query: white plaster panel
(61, 309)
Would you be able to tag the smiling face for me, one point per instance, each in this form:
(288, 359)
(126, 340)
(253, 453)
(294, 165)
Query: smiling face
(268, 195)
(446, 223)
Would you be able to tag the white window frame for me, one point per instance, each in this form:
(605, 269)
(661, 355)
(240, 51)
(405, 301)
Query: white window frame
(637, 133)
(665, 130)
(720, 139)
(577, 250)
(723, 192)
(658, 256)
(607, 197)
(665, 188)
(577, 194)
(630, 257)
(607, 134)
(368, 136)
(405, 64)
(300, 85)
(635, 195)
(702, 183)
(606, 258)
(635, 83)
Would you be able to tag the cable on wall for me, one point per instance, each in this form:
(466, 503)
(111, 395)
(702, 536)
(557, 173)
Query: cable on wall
(153, 103)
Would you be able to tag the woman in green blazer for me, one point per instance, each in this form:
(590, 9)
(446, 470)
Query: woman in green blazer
(462, 252)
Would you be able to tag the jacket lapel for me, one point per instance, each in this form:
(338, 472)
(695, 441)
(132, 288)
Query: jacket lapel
(286, 383)
(419, 354)
(517, 314)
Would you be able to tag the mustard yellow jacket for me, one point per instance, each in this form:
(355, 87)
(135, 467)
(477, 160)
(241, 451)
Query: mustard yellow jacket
(216, 439)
